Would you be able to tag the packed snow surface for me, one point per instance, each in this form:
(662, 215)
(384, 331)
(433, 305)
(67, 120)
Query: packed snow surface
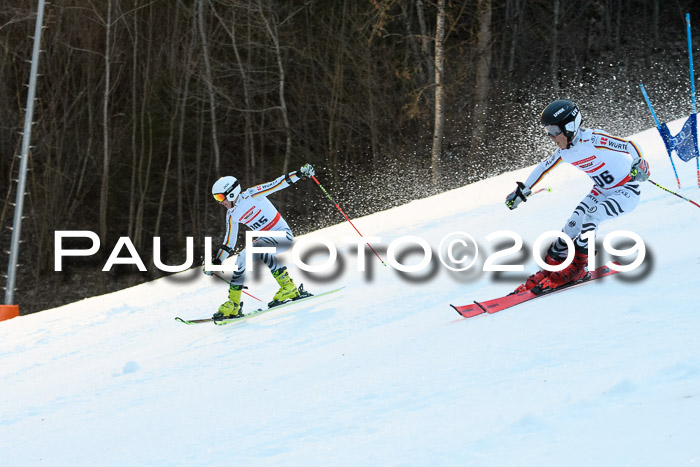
(384, 372)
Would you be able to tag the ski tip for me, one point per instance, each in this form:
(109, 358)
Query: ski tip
(457, 310)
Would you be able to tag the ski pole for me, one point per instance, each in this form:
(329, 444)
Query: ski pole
(692, 83)
(521, 185)
(346, 217)
(547, 189)
(252, 296)
(690, 59)
(673, 193)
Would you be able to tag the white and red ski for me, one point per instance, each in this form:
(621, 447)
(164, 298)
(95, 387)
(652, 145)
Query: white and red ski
(508, 301)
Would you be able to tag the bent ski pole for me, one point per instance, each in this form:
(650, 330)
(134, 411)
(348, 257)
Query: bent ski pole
(346, 217)
(673, 192)
(252, 296)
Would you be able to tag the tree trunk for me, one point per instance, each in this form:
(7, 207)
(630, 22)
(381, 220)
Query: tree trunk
(516, 19)
(145, 155)
(210, 85)
(181, 192)
(438, 130)
(134, 127)
(482, 83)
(274, 37)
(335, 98)
(371, 110)
(554, 65)
(596, 31)
(425, 37)
(166, 174)
(249, 147)
(144, 179)
(249, 135)
(655, 23)
(104, 191)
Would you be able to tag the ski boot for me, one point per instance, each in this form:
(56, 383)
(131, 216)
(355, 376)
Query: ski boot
(539, 276)
(287, 291)
(573, 273)
(232, 308)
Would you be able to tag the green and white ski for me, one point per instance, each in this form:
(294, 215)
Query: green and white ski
(258, 312)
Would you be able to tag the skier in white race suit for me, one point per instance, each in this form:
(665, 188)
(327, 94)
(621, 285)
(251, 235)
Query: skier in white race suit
(616, 167)
(252, 209)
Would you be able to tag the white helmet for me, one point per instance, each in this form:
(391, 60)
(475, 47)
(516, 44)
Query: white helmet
(226, 188)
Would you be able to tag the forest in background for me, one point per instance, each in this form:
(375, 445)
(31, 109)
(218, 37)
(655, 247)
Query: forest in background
(142, 105)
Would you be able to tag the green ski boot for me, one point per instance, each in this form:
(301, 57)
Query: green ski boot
(232, 308)
(287, 291)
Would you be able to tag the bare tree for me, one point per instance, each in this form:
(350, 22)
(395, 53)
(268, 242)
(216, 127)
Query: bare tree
(274, 37)
(654, 23)
(438, 130)
(181, 162)
(134, 128)
(514, 16)
(554, 63)
(424, 35)
(482, 83)
(249, 148)
(209, 81)
(104, 192)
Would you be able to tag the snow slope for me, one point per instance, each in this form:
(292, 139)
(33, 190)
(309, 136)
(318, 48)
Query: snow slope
(385, 372)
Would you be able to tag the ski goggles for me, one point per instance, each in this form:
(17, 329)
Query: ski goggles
(222, 196)
(552, 130)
